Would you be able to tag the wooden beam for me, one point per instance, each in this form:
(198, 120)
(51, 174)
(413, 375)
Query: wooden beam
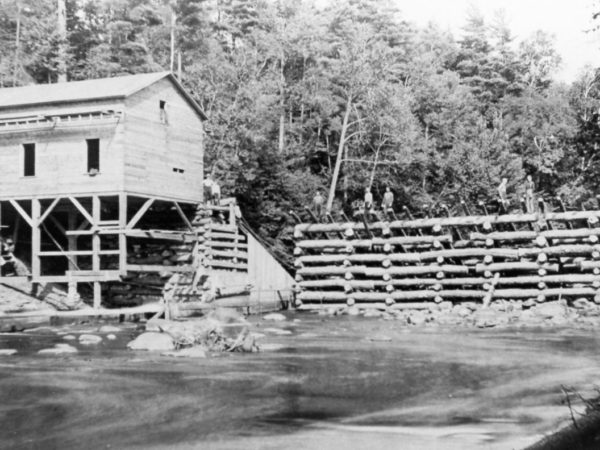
(159, 268)
(122, 236)
(71, 240)
(183, 216)
(22, 212)
(138, 215)
(96, 250)
(49, 209)
(36, 238)
(81, 209)
(451, 221)
(144, 309)
(78, 253)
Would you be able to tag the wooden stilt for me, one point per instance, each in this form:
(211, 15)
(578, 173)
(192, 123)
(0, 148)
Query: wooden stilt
(96, 250)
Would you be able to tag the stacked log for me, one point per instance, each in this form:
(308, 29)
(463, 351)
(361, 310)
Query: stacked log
(508, 256)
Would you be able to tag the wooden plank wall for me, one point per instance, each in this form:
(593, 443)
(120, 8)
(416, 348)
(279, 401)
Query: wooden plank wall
(153, 149)
(266, 273)
(61, 157)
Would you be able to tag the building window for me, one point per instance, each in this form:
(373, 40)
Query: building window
(29, 160)
(93, 156)
(163, 112)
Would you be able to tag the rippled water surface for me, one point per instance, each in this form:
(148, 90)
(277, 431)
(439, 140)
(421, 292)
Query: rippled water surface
(344, 383)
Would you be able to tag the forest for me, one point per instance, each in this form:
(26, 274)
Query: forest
(302, 96)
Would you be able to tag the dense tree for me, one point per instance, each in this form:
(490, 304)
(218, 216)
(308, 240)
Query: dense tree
(337, 97)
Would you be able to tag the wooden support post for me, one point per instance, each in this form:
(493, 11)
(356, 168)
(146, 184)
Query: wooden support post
(72, 240)
(183, 216)
(96, 250)
(35, 240)
(232, 214)
(122, 236)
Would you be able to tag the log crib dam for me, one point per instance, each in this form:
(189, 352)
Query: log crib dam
(415, 263)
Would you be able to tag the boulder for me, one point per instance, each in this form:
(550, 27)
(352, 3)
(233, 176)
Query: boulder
(417, 318)
(58, 349)
(551, 310)
(582, 303)
(462, 311)
(274, 317)
(89, 339)
(353, 311)
(111, 337)
(153, 342)
(487, 318)
(155, 325)
(373, 313)
(109, 329)
(69, 337)
(7, 351)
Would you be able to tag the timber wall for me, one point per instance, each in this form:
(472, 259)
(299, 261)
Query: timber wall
(475, 258)
(61, 152)
(156, 152)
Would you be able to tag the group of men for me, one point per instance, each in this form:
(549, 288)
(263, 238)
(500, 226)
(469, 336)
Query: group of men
(388, 198)
(529, 194)
(212, 191)
(386, 203)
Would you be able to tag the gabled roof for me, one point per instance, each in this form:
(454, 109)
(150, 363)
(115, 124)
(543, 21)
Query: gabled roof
(88, 90)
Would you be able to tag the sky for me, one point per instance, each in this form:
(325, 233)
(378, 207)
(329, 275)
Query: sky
(566, 19)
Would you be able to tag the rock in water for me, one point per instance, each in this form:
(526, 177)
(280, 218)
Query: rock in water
(111, 337)
(108, 329)
(417, 318)
(274, 317)
(152, 341)
(58, 349)
(550, 310)
(582, 303)
(7, 351)
(89, 339)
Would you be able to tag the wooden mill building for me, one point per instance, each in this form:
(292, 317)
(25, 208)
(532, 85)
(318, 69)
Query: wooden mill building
(90, 166)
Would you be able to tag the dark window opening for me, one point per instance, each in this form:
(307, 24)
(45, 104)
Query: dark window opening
(163, 112)
(29, 160)
(93, 156)
(178, 170)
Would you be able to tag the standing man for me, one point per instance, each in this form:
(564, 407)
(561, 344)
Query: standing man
(368, 199)
(215, 191)
(388, 200)
(317, 202)
(502, 192)
(529, 189)
(208, 185)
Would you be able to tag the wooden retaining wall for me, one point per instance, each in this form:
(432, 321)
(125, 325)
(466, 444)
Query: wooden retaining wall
(475, 258)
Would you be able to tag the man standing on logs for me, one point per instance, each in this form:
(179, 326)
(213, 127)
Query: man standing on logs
(502, 194)
(317, 203)
(208, 188)
(529, 188)
(368, 200)
(388, 200)
(215, 191)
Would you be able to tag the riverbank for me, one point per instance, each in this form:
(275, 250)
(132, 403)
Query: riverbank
(317, 382)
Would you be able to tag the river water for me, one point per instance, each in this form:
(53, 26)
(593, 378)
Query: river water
(332, 383)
